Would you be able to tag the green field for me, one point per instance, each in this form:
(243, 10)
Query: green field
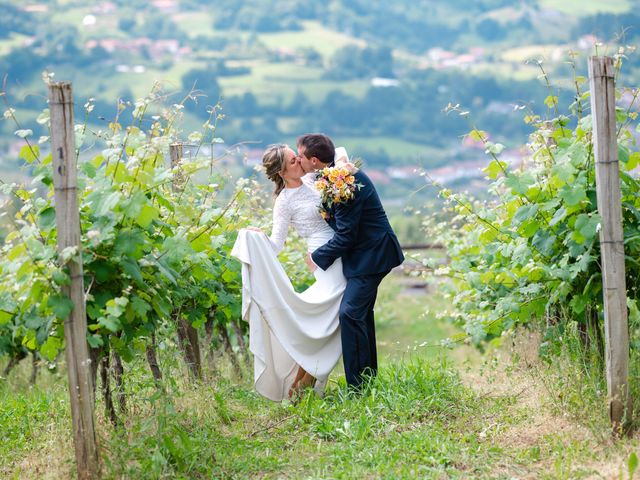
(15, 40)
(269, 81)
(393, 146)
(196, 23)
(313, 35)
(586, 7)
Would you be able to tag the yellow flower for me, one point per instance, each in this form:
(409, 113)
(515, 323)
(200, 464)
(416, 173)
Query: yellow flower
(339, 183)
(350, 179)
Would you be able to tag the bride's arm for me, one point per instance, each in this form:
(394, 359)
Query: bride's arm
(281, 220)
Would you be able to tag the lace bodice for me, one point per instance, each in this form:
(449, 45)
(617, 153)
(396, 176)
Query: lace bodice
(299, 207)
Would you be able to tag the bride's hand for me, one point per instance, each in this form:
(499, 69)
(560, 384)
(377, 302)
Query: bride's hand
(312, 266)
(254, 229)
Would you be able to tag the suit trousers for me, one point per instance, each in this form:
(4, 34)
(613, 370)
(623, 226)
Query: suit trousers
(358, 331)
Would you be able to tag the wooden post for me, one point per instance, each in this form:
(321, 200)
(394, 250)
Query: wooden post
(176, 152)
(187, 335)
(605, 145)
(75, 326)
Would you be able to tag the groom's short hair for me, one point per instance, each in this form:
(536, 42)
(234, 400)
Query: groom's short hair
(318, 145)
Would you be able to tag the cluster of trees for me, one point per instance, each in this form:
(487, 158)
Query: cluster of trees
(412, 111)
(53, 44)
(154, 26)
(415, 26)
(206, 79)
(352, 61)
(609, 26)
(259, 16)
(14, 19)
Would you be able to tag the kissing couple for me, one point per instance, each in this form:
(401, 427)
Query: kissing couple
(297, 338)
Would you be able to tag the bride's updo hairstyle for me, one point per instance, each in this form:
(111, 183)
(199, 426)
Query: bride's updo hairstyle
(273, 163)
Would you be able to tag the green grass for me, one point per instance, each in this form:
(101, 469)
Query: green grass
(36, 407)
(313, 35)
(196, 23)
(70, 15)
(33, 419)
(15, 40)
(272, 81)
(424, 416)
(412, 329)
(585, 8)
(269, 82)
(407, 414)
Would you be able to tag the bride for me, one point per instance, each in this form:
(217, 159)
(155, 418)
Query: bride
(294, 337)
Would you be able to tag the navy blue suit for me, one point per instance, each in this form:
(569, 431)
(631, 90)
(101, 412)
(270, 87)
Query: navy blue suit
(369, 250)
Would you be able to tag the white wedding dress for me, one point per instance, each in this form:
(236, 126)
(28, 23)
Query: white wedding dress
(287, 329)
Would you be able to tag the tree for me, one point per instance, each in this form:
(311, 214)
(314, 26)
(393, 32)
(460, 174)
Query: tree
(126, 24)
(204, 81)
(352, 61)
(490, 30)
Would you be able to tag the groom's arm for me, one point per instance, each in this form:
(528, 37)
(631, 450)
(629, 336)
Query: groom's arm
(346, 231)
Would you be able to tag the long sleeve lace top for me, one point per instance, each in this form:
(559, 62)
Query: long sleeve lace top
(299, 207)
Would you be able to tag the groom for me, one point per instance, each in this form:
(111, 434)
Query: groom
(369, 250)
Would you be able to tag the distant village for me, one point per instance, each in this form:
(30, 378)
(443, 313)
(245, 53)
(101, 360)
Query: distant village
(437, 58)
(456, 172)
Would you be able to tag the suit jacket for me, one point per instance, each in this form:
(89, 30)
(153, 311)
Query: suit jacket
(363, 236)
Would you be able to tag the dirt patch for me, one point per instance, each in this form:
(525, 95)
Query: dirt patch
(53, 459)
(531, 428)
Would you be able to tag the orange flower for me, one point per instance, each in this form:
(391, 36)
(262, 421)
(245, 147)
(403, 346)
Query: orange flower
(336, 185)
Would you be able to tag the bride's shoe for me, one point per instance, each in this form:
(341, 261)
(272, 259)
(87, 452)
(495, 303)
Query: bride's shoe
(302, 381)
(307, 381)
(294, 386)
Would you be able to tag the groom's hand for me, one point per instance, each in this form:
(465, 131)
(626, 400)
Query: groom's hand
(310, 263)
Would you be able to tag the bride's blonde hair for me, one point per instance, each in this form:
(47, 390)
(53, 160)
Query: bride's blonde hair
(273, 163)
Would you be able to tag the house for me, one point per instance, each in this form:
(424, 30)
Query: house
(36, 8)
(384, 82)
(378, 177)
(587, 42)
(166, 6)
(155, 48)
(402, 173)
(105, 8)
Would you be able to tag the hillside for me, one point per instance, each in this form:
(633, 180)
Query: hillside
(376, 77)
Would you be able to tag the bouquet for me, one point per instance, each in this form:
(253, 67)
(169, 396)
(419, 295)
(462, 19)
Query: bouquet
(336, 185)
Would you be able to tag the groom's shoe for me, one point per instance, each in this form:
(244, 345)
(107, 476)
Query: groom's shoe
(365, 383)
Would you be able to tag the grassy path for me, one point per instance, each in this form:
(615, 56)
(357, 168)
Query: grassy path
(431, 413)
